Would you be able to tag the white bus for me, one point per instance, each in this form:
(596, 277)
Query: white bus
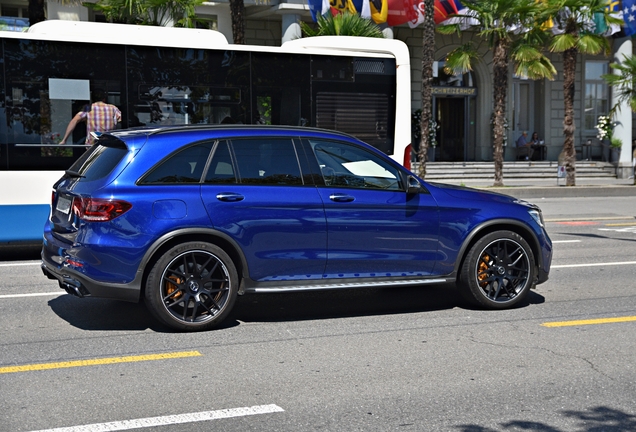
(160, 76)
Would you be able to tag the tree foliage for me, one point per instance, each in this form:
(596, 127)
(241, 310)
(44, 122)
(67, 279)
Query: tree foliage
(342, 24)
(623, 82)
(181, 13)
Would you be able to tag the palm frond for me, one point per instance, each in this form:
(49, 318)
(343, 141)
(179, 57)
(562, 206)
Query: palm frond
(592, 44)
(343, 24)
(461, 59)
(562, 42)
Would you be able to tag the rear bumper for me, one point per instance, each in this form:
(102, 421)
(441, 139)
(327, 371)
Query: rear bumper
(77, 284)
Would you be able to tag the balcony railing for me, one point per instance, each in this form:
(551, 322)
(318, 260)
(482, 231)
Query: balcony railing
(14, 24)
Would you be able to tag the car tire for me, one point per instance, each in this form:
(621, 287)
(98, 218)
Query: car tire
(498, 271)
(192, 287)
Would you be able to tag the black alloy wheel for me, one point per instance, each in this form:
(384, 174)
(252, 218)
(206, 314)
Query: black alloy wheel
(499, 271)
(192, 287)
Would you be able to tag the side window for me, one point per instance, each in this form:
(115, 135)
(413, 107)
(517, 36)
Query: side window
(185, 166)
(347, 165)
(267, 161)
(221, 170)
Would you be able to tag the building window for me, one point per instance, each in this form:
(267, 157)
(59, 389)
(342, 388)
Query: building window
(210, 22)
(14, 11)
(596, 102)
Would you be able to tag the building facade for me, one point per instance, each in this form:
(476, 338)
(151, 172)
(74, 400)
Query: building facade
(462, 105)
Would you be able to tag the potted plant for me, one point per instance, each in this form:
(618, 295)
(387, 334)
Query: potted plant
(615, 149)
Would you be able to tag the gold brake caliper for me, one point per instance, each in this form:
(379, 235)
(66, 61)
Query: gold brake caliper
(171, 288)
(482, 270)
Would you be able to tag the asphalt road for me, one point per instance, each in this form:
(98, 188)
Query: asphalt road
(415, 359)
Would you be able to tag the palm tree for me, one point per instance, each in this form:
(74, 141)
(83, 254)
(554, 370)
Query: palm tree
(512, 29)
(342, 24)
(623, 83)
(573, 17)
(36, 11)
(428, 53)
(237, 12)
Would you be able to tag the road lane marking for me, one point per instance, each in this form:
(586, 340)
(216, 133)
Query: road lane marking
(566, 241)
(8, 296)
(170, 419)
(20, 264)
(621, 224)
(589, 321)
(593, 264)
(592, 219)
(96, 362)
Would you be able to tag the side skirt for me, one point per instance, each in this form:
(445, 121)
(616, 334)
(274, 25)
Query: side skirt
(257, 288)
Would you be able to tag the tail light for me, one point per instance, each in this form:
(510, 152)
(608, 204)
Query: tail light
(99, 210)
(407, 157)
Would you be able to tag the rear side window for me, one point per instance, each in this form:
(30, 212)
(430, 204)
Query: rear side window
(99, 160)
(267, 161)
(185, 166)
(221, 170)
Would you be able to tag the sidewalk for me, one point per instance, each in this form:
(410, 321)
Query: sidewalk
(548, 188)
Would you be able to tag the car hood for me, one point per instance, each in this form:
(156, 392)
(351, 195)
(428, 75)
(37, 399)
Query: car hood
(467, 193)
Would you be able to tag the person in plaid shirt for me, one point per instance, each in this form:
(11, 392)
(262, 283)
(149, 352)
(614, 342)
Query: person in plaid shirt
(101, 117)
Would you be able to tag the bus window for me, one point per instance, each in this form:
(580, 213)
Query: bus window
(187, 86)
(278, 100)
(50, 82)
(178, 104)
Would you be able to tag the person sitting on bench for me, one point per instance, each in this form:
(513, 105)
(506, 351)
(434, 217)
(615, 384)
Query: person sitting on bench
(524, 147)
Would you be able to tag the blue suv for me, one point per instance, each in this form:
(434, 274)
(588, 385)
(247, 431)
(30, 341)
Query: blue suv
(189, 217)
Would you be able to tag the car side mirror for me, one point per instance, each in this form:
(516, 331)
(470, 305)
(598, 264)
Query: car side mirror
(414, 185)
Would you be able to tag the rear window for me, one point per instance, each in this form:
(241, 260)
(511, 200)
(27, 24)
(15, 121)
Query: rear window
(99, 160)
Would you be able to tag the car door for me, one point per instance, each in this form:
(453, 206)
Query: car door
(256, 193)
(375, 228)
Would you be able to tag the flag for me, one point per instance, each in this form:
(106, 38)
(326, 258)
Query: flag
(342, 6)
(401, 11)
(444, 8)
(317, 8)
(629, 16)
(379, 10)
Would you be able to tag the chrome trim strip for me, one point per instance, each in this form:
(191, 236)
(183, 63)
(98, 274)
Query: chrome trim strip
(345, 285)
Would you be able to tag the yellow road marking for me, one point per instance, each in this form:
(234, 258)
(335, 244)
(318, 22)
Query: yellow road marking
(589, 321)
(95, 362)
(621, 224)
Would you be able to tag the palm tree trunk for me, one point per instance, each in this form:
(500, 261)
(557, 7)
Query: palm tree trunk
(237, 9)
(500, 86)
(569, 153)
(36, 11)
(428, 53)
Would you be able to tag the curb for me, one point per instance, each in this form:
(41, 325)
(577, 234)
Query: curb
(565, 191)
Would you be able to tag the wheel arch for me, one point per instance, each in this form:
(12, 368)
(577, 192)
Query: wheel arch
(490, 226)
(169, 240)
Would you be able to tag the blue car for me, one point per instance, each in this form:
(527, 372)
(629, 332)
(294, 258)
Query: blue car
(188, 217)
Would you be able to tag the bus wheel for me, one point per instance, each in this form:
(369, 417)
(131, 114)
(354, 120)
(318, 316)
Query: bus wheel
(498, 271)
(192, 287)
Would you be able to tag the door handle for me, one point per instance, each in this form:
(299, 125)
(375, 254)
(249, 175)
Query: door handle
(338, 197)
(229, 197)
